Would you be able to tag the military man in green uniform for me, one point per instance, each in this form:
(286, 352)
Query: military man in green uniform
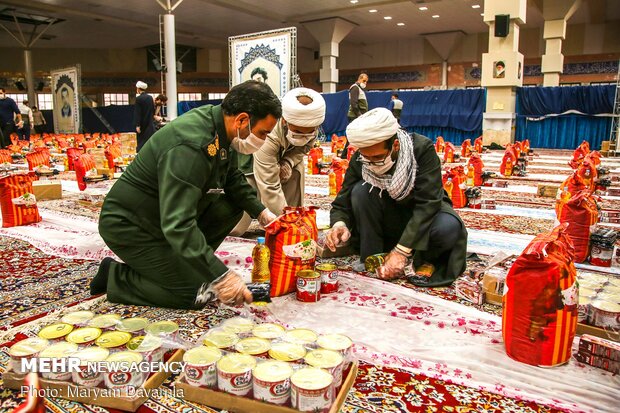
(392, 200)
(179, 199)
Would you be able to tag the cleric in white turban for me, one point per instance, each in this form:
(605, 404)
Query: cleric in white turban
(277, 169)
(393, 201)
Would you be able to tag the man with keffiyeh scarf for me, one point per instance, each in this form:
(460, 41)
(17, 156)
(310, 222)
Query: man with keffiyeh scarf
(392, 200)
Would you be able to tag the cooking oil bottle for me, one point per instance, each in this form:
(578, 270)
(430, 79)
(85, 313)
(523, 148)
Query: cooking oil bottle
(260, 257)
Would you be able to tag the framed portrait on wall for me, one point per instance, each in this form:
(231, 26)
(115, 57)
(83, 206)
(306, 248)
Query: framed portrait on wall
(269, 57)
(66, 97)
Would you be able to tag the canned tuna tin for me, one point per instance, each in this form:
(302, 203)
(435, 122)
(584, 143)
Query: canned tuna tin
(287, 352)
(84, 335)
(124, 377)
(311, 390)
(308, 286)
(150, 347)
(301, 336)
(238, 325)
(59, 351)
(336, 342)
(132, 325)
(113, 339)
(200, 370)
(268, 331)
(26, 349)
(163, 328)
(55, 331)
(78, 318)
(86, 377)
(329, 277)
(253, 346)
(272, 382)
(332, 361)
(583, 310)
(234, 374)
(105, 321)
(605, 314)
(220, 339)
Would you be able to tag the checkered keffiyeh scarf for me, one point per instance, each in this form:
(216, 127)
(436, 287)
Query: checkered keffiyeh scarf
(401, 183)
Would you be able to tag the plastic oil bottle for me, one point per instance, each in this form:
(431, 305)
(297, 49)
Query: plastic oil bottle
(260, 257)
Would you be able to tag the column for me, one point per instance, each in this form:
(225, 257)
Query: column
(171, 66)
(555, 13)
(444, 44)
(502, 69)
(329, 32)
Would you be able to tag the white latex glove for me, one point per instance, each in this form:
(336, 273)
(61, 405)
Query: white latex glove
(231, 290)
(285, 171)
(266, 217)
(337, 235)
(393, 267)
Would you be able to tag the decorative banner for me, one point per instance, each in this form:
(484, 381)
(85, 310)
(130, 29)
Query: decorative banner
(269, 57)
(66, 95)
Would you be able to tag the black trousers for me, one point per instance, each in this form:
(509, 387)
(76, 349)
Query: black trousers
(380, 222)
(7, 129)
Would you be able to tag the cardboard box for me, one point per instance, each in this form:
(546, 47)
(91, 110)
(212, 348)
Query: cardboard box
(129, 143)
(47, 190)
(598, 332)
(613, 191)
(599, 362)
(237, 404)
(73, 392)
(547, 191)
(106, 171)
(492, 298)
(500, 184)
(599, 347)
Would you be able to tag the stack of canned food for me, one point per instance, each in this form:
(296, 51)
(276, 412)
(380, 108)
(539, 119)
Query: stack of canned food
(312, 283)
(97, 339)
(599, 300)
(296, 368)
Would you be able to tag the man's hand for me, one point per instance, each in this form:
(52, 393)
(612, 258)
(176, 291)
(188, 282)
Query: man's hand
(138, 129)
(266, 217)
(231, 290)
(285, 171)
(394, 265)
(337, 235)
(157, 118)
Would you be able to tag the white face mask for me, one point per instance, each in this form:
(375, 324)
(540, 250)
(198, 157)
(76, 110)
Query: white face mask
(2, 96)
(248, 145)
(299, 139)
(382, 169)
(363, 85)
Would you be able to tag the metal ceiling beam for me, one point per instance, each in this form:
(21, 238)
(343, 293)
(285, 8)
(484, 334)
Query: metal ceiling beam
(336, 11)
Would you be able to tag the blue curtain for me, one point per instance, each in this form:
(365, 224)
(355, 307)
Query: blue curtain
(456, 136)
(569, 130)
(186, 106)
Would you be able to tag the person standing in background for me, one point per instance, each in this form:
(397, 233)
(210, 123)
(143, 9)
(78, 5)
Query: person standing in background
(396, 106)
(144, 112)
(28, 121)
(358, 104)
(39, 120)
(10, 116)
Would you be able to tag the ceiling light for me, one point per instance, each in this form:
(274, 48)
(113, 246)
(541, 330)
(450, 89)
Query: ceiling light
(435, 16)
(353, 1)
(475, 6)
(387, 18)
(372, 11)
(400, 24)
(423, 8)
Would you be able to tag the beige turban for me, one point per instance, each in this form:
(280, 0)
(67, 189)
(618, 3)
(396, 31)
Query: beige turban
(372, 127)
(141, 85)
(298, 114)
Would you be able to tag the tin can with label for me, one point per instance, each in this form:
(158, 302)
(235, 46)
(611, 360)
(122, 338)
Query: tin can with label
(150, 347)
(272, 382)
(84, 336)
(268, 331)
(59, 352)
(329, 360)
(238, 325)
(253, 346)
(55, 332)
(25, 350)
(290, 352)
(605, 315)
(113, 339)
(200, 367)
(162, 328)
(329, 277)
(234, 374)
(88, 377)
(583, 309)
(78, 318)
(336, 342)
(301, 336)
(122, 373)
(104, 321)
(308, 286)
(221, 339)
(311, 390)
(133, 325)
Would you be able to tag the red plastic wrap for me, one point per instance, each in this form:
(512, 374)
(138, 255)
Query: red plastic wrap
(580, 212)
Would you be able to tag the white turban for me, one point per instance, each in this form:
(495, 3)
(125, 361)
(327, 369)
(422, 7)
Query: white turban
(298, 114)
(372, 127)
(141, 85)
